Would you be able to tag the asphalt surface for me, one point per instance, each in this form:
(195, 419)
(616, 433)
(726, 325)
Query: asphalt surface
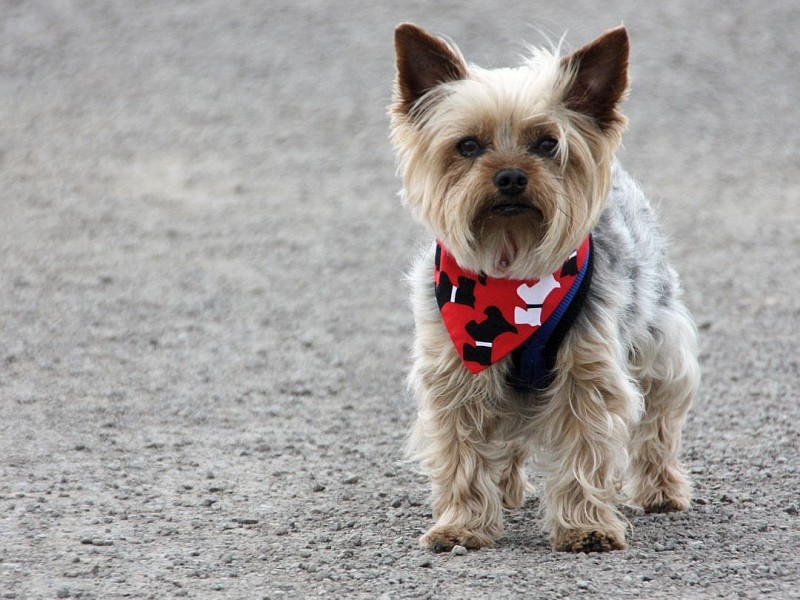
(204, 330)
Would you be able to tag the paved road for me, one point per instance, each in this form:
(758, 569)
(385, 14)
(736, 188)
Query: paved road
(203, 326)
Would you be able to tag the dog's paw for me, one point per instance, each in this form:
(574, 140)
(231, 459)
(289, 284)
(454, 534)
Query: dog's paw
(675, 498)
(442, 539)
(668, 490)
(588, 541)
(667, 505)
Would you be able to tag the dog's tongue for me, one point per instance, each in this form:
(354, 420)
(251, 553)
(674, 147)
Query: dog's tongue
(507, 256)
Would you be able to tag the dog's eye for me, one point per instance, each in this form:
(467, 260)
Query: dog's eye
(546, 146)
(470, 147)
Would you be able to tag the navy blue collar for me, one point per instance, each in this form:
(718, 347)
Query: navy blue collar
(534, 361)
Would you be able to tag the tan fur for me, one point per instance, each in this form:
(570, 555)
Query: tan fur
(474, 433)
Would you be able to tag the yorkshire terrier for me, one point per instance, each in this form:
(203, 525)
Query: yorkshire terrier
(548, 318)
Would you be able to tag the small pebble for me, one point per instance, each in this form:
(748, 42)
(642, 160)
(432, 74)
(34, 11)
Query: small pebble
(458, 550)
(96, 542)
(102, 542)
(691, 578)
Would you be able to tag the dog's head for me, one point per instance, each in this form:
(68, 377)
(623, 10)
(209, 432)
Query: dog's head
(508, 167)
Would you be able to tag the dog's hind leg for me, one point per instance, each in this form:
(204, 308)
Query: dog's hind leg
(669, 376)
(513, 481)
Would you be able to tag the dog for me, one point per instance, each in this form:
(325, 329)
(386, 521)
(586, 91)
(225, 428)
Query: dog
(549, 322)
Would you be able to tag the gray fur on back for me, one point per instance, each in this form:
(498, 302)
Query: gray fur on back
(631, 274)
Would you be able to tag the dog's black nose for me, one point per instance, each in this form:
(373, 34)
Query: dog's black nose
(510, 182)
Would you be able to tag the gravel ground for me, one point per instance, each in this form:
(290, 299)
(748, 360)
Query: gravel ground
(203, 326)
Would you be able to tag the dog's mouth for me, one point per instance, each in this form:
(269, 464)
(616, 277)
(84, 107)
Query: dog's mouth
(511, 209)
(504, 229)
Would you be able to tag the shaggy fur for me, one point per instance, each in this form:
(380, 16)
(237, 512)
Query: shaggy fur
(607, 429)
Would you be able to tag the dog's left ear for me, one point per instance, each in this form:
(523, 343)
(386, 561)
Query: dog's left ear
(600, 77)
(423, 62)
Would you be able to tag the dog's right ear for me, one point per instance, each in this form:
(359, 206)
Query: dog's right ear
(423, 62)
(600, 77)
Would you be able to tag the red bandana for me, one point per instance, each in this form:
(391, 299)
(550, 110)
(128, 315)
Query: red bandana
(488, 318)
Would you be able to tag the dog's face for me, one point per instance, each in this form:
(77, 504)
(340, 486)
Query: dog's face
(508, 167)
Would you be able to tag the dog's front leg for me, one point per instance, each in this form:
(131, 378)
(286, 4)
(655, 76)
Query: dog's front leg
(590, 408)
(452, 439)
